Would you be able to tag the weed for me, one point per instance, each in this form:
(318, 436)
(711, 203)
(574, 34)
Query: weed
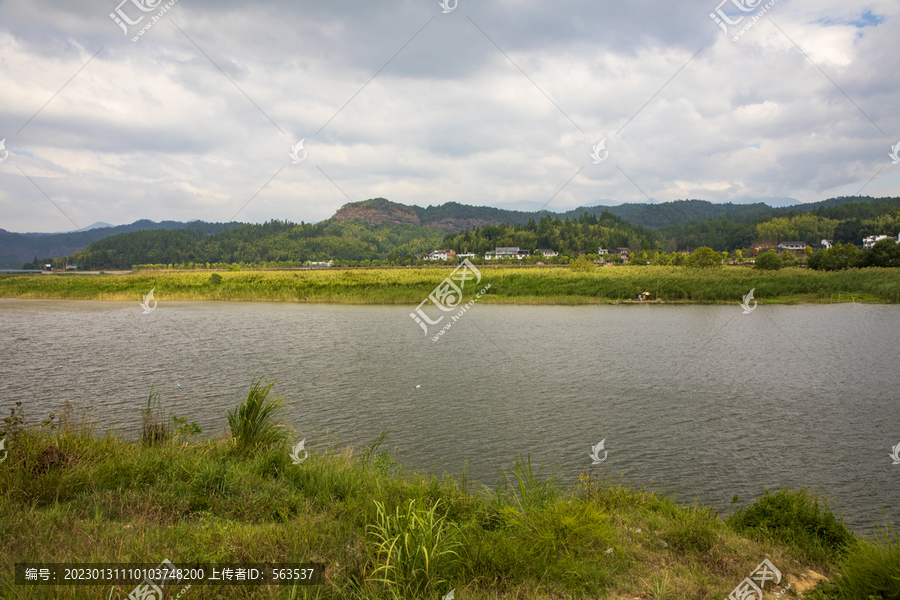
(255, 421)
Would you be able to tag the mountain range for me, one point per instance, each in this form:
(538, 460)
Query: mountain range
(452, 217)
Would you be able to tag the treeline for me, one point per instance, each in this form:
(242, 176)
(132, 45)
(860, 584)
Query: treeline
(584, 235)
(846, 223)
(346, 242)
(272, 242)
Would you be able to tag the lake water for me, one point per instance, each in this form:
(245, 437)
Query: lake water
(704, 401)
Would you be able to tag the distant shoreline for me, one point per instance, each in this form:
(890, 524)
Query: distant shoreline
(509, 285)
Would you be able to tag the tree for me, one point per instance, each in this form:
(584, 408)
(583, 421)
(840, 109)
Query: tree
(705, 258)
(885, 253)
(768, 261)
(583, 264)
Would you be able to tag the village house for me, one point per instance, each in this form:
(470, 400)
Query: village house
(546, 252)
(874, 239)
(792, 246)
(440, 255)
(510, 252)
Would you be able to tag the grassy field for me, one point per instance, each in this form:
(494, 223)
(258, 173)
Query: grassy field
(68, 495)
(508, 285)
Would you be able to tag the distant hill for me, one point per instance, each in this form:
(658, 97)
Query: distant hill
(451, 217)
(19, 248)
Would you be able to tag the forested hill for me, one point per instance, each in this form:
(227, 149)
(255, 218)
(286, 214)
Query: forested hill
(17, 248)
(383, 230)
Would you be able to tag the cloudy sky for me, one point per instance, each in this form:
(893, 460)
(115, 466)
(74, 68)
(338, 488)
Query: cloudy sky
(491, 103)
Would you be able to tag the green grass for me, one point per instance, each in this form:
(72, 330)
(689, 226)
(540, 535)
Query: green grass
(68, 495)
(799, 519)
(508, 285)
(255, 421)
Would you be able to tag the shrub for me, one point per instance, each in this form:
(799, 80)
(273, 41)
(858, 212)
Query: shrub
(255, 421)
(796, 518)
(215, 279)
(768, 261)
(582, 264)
(705, 258)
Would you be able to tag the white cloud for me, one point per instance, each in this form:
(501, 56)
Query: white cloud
(152, 129)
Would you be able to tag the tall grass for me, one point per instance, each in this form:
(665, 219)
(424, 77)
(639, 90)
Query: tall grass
(512, 285)
(798, 518)
(413, 549)
(256, 422)
(154, 428)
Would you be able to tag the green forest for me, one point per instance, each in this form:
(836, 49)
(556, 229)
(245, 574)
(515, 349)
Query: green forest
(283, 243)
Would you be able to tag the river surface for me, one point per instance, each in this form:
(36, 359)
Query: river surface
(703, 401)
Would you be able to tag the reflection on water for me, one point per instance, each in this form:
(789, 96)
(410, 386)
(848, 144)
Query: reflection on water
(703, 400)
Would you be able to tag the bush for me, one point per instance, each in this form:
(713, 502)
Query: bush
(215, 279)
(798, 519)
(768, 261)
(705, 258)
(838, 257)
(582, 264)
(255, 421)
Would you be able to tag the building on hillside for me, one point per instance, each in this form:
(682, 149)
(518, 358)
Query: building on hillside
(602, 251)
(546, 252)
(510, 252)
(466, 255)
(827, 243)
(48, 267)
(792, 246)
(440, 255)
(874, 239)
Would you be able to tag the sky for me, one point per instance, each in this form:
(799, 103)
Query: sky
(516, 104)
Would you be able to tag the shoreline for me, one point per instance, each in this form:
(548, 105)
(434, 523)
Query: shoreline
(509, 285)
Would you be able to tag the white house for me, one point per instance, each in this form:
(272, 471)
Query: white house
(511, 252)
(440, 254)
(874, 239)
(466, 255)
(546, 252)
(603, 251)
(792, 246)
(827, 243)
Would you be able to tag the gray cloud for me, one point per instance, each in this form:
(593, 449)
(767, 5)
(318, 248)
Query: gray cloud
(153, 129)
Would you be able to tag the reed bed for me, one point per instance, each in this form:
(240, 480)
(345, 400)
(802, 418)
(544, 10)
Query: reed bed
(511, 285)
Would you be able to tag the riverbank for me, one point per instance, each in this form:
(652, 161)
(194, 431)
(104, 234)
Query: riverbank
(70, 496)
(509, 285)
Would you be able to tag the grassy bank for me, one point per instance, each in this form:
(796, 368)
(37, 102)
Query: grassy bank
(508, 285)
(67, 495)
